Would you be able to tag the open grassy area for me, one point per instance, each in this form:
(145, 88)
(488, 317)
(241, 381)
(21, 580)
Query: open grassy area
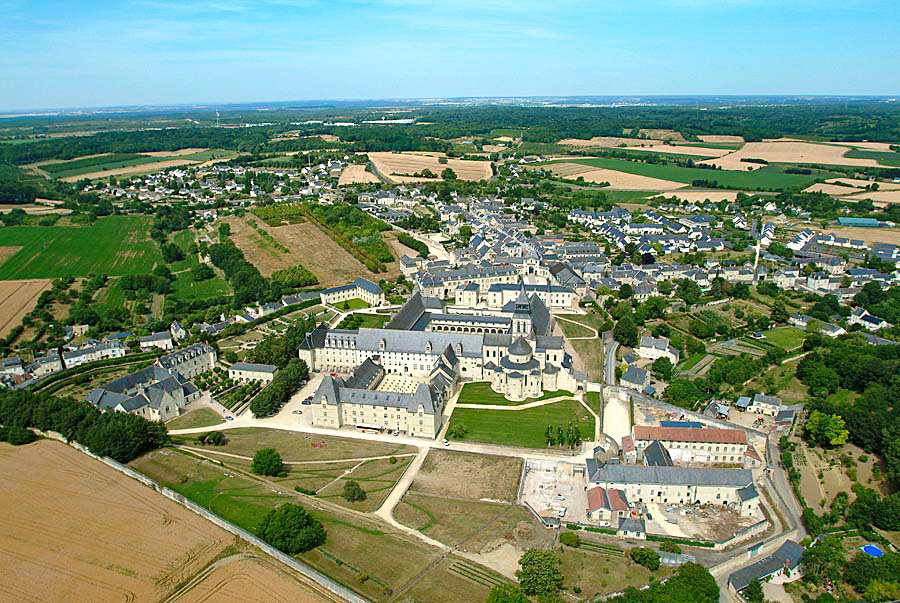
(295, 446)
(766, 178)
(524, 428)
(376, 477)
(788, 338)
(185, 287)
(596, 573)
(355, 545)
(114, 245)
(357, 321)
(480, 392)
(202, 417)
(352, 304)
(882, 157)
(467, 475)
(446, 520)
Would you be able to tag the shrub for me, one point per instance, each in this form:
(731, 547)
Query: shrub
(645, 556)
(303, 490)
(353, 492)
(670, 547)
(393, 460)
(570, 539)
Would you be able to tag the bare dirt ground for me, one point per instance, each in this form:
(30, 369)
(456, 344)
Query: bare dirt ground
(356, 173)
(861, 184)
(616, 179)
(721, 138)
(17, 298)
(834, 190)
(309, 247)
(869, 235)
(240, 579)
(472, 476)
(869, 146)
(132, 169)
(391, 164)
(788, 152)
(72, 529)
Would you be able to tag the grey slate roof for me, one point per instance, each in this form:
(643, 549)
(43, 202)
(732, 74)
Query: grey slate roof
(687, 476)
(249, 366)
(789, 554)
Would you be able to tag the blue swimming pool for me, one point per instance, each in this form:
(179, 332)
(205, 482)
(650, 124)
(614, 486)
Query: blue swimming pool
(872, 550)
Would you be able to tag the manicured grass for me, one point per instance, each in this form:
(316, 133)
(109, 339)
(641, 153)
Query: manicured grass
(765, 178)
(202, 417)
(524, 428)
(691, 361)
(352, 304)
(594, 401)
(357, 321)
(480, 392)
(114, 245)
(788, 338)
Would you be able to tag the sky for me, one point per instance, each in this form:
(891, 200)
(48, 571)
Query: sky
(95, 53)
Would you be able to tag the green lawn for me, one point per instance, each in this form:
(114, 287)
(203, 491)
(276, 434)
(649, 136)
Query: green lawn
(524, 428)
(114, 245)
(352, 304)
(202, 417)
(691, 361)
(357, 321)
(788, 338)
(766, 178)
(480, 392)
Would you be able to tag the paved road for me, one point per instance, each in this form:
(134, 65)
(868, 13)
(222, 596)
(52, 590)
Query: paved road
(609, 363)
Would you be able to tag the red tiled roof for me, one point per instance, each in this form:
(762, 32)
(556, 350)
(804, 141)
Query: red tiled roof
(628, 443)
(689, 434)
(600, 498)
(752, 453)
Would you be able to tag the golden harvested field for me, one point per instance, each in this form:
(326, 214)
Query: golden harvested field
(869, 235)
(877, 196)
(494, 148)
(356, 174)
(788, 152)
(17, 298)
(309, 247)
(638, 144)
(885, 186)
(73, 529)
(616, 179)
(869, 146)
(177, 153)
(246, 579)
(721, 138)
(132, 169)
(835, 190)
(391, 164)
(504, 139)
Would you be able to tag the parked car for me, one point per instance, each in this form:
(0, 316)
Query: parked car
(445, 442)
(307, 402)
(229, 418)
(603, 524)
(297, 412)
(650, 516)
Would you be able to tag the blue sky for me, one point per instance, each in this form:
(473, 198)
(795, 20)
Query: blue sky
(80, 53)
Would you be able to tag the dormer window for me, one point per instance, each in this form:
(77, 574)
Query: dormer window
(382, 344)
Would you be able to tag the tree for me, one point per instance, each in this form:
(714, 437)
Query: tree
(662, 367)
(507, 593)
(645, 556)
(457, 431)
(779, 312)
(689, 291)
(625, 331)
(753, 592)
(267, 461)
(539, 573)
(224, 230)
(448, 174)
(230, 356)
(670, 547)
(826, 430)
(625, 291)
(202, 272)
(213, 438)
(352, 492)
(291, 529)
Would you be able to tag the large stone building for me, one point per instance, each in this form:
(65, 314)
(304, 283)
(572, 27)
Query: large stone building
(373, 399)
(513, 350)
(681, 485)
(360, 288)
(690, 445)
(155, 393)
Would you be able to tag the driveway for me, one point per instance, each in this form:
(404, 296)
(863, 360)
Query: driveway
(616, 416)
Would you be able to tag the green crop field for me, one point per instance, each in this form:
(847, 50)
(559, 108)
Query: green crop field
(76, 167)
(884, 158)
(765, 178)
(114, 245)
(525, 428)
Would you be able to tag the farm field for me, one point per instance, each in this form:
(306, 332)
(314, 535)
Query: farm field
(308, 246)
(790, 152)
(391, 164)
(887, 196)
(523, 428)
(103, 537)
(185, 287)
(115, 164)
(615, 178)
(722, 139)
(869, 235)
(356, 174)
(18, 298)
(760, 179)
(114, 245)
